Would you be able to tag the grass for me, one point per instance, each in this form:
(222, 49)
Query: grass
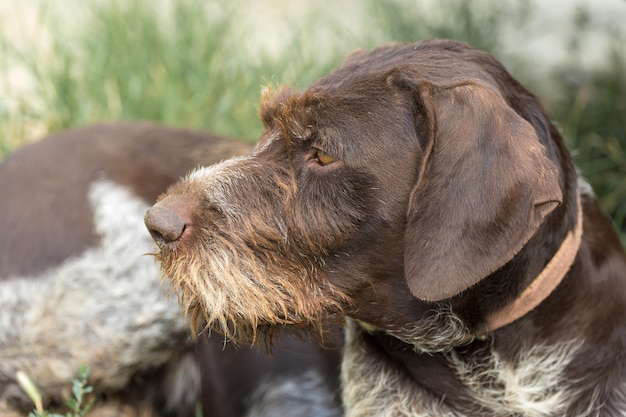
(193, 63)
(591, 112)
(78, 405)
(131, 61)
(127, 63)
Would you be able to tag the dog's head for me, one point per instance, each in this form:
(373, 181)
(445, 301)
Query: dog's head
(404, 177)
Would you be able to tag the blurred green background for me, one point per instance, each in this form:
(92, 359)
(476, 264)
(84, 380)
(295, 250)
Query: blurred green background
(202, 63)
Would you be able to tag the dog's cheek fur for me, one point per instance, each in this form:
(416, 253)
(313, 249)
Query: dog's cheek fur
(328, 208)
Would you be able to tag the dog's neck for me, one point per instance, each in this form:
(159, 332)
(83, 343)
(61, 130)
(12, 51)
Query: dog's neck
(418, 334)
(546, 282)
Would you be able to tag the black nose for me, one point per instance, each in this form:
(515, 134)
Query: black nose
(167, 221)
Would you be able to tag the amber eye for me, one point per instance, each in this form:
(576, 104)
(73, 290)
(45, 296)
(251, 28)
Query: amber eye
(323, 158)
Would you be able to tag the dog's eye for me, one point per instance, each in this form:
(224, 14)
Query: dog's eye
(323, 158)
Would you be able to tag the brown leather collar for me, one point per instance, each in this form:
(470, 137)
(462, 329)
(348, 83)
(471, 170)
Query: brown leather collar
(545, 283)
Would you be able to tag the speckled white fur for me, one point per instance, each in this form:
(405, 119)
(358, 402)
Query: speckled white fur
(305, 394)
(105, 308)
(531, 386)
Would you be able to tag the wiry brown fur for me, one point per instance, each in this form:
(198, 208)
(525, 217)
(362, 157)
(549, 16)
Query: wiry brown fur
(417, 190)
(248, 266)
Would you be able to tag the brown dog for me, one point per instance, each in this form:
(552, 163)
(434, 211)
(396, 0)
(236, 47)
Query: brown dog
(422, 192)
(76, 288)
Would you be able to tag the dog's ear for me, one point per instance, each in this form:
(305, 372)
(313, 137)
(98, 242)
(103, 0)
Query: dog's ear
(484, 186)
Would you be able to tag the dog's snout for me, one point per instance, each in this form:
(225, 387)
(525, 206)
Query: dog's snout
(168, 220)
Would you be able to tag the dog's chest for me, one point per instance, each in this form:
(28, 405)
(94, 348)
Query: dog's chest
(533, 385)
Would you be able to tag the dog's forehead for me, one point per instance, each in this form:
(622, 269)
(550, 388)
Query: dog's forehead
(434, 61)
(324, 115)
(345, 124)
